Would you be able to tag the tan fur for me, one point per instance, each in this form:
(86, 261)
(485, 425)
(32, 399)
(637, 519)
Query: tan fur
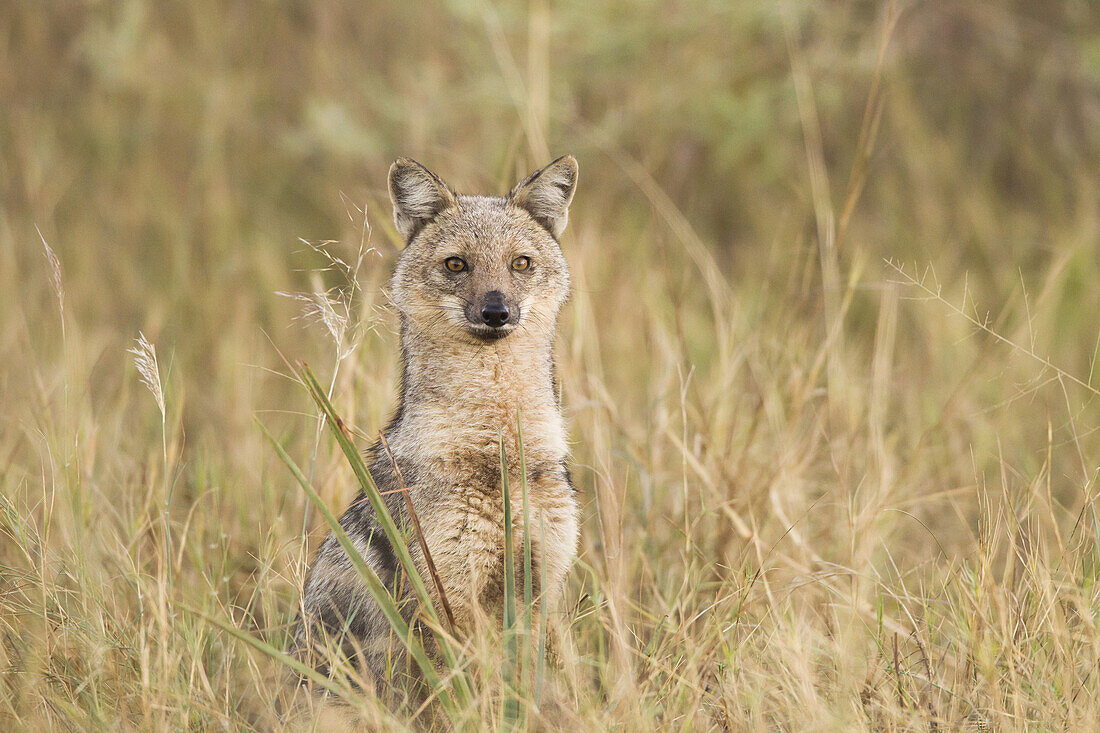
(465, 382)
(458, 438)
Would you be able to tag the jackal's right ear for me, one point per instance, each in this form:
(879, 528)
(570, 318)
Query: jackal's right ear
(417, 195)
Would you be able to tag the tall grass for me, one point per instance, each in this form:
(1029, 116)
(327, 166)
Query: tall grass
(829, 369)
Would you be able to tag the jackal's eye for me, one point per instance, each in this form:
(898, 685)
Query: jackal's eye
(455, 264)
(521, 263)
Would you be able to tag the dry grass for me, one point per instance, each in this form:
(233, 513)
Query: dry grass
(830, 365)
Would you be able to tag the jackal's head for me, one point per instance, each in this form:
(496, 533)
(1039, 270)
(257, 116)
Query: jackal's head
(480, 268)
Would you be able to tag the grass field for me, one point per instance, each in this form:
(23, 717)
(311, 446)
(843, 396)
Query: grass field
(829, 367)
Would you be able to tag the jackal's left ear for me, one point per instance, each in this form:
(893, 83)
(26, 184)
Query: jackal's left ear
(417, 195)
(546, 194)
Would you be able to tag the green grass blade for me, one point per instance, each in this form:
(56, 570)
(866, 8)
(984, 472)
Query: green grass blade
(527, 588)
(511, 702)
(528, 580)
(393, 533)
(540, 668)
(375, 586)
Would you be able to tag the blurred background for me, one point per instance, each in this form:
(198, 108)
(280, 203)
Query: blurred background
(173, 155)
(836, 271)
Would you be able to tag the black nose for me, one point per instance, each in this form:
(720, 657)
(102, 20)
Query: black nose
(494, 314)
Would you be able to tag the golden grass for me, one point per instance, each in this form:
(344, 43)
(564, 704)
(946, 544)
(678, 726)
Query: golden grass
(829, 367)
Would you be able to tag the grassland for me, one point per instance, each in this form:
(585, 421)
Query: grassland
(829, 368)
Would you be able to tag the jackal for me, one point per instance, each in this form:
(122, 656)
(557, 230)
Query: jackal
(478, 289)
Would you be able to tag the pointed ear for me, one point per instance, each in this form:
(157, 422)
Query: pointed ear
(546, 194)
(417, 195)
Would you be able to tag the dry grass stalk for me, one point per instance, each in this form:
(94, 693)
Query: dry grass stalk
(55, 276)
(419, 533)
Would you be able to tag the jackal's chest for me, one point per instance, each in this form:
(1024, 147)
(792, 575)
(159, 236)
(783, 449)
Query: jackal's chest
(468, 541)
(471, 518)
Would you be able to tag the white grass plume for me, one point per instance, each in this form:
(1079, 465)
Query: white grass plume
(320, 307)
(145, 359)
(55, 275)
(337, 307)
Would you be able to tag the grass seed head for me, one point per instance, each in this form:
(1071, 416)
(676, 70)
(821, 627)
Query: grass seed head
(145, 359)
